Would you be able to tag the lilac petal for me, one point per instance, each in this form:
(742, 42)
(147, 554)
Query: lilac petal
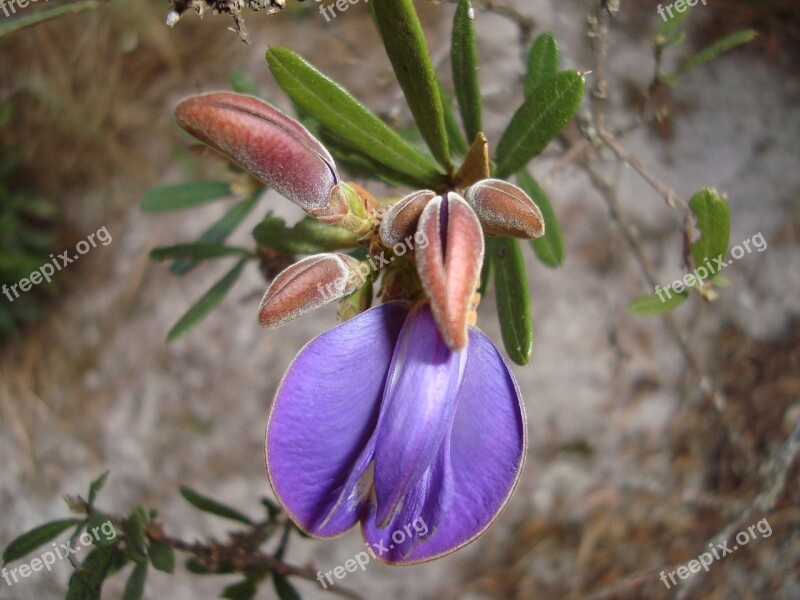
(320, 432)
(474, 475)
(418, 408)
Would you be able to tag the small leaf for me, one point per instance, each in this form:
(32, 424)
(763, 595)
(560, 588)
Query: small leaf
(220, 230)
(308, 236)
(95, 523)
(550, 247)
(135, 537)
(180, 196)
(283, 588)
(210, 300)
(162, 556)
(36, 537)
(402, 35)
(197, 251)
(464, 56)
(648, 306)
(134, 588)
(243, 590)
(208, 505)
(513, 298)
(96, 486)
(539, 120)
(456, 139)
(193, 565)
(46, 14)
(338, 111)
(714, 223)
(242, 82)
(86, 583)
(710, 52)
(542, 62)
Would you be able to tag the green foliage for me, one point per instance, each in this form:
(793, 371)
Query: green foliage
(513, 297)
(652, 305)
(550, 247)
(714, 223)
(35, 538)
(10, 25)
(181, 196)
(209, 505)
(542, 62)
(464, 56)
(308, 236)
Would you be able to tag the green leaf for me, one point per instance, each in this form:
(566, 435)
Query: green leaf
(539, 120)
(337, 110)
(710, 52)
(243, 590)
(180, 196)
(550, 247)
(283, 588)
(208, 505)
(670, 22)
(456, 139)
(197, 251)
(95, 523)
(513, 298)
(714, 223)
(135, 536)
(46, 14)
(308, 236)
(648, 306)
(86, 583)
(486, 275)
(242, 82)
(36, 537)
(162, 556)
(134, 588)
(464, 57)
(96, 486)
(542, 62)
(210, 300)
(402, 35)
(220, 230)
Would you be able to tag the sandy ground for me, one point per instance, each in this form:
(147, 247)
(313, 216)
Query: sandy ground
(618, 476)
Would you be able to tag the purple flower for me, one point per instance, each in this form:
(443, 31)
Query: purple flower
(378, 421)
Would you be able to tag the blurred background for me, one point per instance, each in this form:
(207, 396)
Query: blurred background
(632, 467)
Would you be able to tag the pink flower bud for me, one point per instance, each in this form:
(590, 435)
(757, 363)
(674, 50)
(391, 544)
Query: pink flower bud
(274, 147)
(400, 221)
(504, 209)
(450, 265)
(306, 285)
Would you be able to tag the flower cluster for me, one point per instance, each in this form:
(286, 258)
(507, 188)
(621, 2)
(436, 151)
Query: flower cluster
(406, 410)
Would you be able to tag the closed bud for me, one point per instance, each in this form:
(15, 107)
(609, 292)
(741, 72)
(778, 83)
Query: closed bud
(306, 285)
(272, 146)
(450, 265)
(505, 210)
(346, 208)
(400, 221)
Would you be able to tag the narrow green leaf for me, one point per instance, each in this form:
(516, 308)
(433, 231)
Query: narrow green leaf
(714, 223)
(486, 275)
(208, 505)
(243, 590)
(180, 196)
(513, 298)
(220, 230)
(337, 110)
(283, 588)
(456, 139)
(46, 14)
(550, 247)
(648, 306)
(540, 119)
(36, 537)
(135, 536)
(210, 300)
(97, 523)
(134, 587)
(464, 57)
(542, 62)
(729, 42)
(96, 486)
(404, 40)
(162, 557)
(197, 251)
(308, 236)
(86, 583)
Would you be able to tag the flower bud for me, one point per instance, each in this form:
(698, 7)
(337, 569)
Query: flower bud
(450, 265)
(274, 147)
(346, 208)
(505, 210)
(306, 285)
(400, 221)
